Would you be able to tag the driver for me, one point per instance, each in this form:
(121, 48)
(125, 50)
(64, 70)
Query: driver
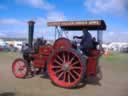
(86, 41)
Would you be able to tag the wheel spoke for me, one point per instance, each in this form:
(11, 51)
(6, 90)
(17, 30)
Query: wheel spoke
(72, 59)
(64, 79)
(60, 75)
(20, 63)
(22, 67)
(58, 62)
(58, 71)
(76, 73)
(64, 57)
(72, 75)
(60, 58)
(76, 62)
(75, 68)
(68, 57)
(69, 78)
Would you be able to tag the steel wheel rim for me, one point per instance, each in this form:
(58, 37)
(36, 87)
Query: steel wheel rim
(65, 68)
(19, 68)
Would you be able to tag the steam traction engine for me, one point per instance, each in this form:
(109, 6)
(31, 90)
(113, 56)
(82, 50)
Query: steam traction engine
(64, 63)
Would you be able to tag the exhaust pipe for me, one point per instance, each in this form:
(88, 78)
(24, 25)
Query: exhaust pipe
(30, 33)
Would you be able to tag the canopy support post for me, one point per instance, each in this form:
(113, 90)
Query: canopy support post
(99, 38)
(57, 33)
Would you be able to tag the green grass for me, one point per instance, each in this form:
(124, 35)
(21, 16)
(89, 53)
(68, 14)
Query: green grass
(117, 61)
(116, 58)
(8, 57)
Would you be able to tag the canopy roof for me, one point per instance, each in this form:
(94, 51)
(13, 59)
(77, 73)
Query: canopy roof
(80, 25)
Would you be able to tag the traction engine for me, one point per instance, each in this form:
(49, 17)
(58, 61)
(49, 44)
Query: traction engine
(66, 66)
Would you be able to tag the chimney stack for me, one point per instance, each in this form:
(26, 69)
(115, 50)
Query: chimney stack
(30, 32)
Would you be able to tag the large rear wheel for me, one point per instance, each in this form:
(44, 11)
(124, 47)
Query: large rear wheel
(66, 68)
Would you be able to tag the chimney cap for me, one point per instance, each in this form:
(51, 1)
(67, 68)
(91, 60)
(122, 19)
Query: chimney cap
(31, 22)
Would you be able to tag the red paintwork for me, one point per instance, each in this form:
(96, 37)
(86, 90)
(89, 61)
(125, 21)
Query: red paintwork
(62, 43)
(39, 60)
(42, 56)
(92, 63)
(66, 60)
(46, 49)
(19, 68)
(61, 48)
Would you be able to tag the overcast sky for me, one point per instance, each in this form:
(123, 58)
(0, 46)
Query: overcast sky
(14, 15)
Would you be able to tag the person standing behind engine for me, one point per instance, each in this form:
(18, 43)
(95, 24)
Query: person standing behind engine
(95, 43)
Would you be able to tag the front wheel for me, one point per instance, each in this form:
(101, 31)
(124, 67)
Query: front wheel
(66, 68)
(20, 68)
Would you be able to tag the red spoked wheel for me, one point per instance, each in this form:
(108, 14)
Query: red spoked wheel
(66, 68)
(20, 68)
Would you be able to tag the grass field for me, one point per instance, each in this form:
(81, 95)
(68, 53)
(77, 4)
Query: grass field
(114, 82)
(116, 58)
(118, 61)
